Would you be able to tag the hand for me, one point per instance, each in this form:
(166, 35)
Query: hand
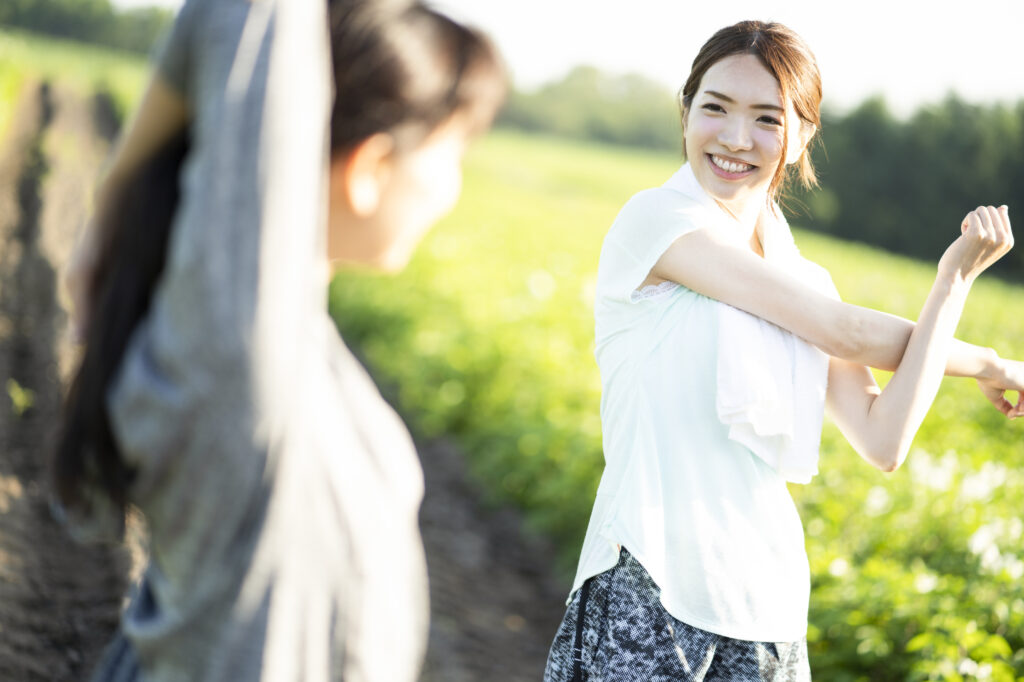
(985, 237)
(78, 280)
(1008, 376)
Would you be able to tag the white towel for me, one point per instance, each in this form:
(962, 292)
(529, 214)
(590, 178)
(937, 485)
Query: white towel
(771, 384)
(771, 392)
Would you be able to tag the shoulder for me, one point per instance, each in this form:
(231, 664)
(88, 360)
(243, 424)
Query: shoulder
(202, 21)
(659, 200)
(655, 207)
(189, 17)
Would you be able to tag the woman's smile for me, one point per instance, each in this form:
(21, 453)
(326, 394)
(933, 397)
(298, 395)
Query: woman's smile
(734, 133)
(729, 169)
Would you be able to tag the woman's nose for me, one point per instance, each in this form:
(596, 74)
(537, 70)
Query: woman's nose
(735, 134)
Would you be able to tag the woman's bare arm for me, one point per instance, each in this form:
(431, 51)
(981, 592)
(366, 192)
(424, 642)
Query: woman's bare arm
(162, 112)
(717, 268)
(881, 424)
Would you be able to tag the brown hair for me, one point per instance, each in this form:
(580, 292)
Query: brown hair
(789, 59)
(403, 68)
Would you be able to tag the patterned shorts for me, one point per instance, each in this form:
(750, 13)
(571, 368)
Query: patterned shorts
(627, 636)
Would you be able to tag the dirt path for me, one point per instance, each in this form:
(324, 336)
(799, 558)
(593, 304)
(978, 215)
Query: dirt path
(495, 605)
(58, 601)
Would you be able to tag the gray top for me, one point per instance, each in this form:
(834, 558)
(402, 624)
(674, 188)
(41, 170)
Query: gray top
(281, 492)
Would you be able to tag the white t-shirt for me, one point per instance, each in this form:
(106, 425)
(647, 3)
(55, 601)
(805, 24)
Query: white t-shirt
(712, 523)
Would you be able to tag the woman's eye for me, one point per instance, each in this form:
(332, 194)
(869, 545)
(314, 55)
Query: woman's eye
(770, 120)
(711, 106)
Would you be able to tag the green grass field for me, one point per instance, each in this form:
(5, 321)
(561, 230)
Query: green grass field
(86, 68)
(488, 338)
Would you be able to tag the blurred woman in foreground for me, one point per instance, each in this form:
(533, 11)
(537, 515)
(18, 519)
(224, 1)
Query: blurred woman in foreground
(279, 490)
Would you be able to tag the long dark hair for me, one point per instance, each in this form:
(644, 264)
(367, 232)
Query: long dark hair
(399, 67)
(131, 258)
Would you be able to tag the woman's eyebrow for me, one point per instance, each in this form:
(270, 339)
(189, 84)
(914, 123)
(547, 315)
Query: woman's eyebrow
(726, 98)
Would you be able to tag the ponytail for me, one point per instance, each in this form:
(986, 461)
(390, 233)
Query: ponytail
(136, 230)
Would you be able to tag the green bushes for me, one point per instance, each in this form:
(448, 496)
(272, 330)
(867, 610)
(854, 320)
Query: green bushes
(10, 89)
(488, 337)
(902, 185)
(917, 574)
(85, 68)
(92, 21)
(588, 104)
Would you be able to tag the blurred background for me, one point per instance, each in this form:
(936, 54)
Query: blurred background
(485, 344)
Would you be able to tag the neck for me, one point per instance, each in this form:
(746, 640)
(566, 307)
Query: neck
(748, 216)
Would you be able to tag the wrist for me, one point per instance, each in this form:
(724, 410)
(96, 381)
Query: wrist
(953, 278)
(990, 365)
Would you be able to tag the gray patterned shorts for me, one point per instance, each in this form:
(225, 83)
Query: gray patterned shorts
(626, 635)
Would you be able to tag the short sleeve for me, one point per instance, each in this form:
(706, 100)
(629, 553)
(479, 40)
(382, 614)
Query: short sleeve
(171, 56)
(644, 229)
(816, 277)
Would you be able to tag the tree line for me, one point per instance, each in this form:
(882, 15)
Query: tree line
(90, 21)
(592, 105)
(895, 183)
(902, 184)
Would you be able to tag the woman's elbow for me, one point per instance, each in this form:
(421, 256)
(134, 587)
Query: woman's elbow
(889, 464)
(883, 448)
(887, 457)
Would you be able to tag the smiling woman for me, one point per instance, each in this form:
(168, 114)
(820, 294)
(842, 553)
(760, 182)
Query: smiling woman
(781, 80)
(720, 348)
(733, 145)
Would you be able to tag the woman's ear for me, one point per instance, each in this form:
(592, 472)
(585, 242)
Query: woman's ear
(359, 177)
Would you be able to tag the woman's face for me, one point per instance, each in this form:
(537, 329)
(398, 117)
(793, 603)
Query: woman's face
(417, 188)
(734, 131)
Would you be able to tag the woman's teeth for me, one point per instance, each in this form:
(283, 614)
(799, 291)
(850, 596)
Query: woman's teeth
(730, 166)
